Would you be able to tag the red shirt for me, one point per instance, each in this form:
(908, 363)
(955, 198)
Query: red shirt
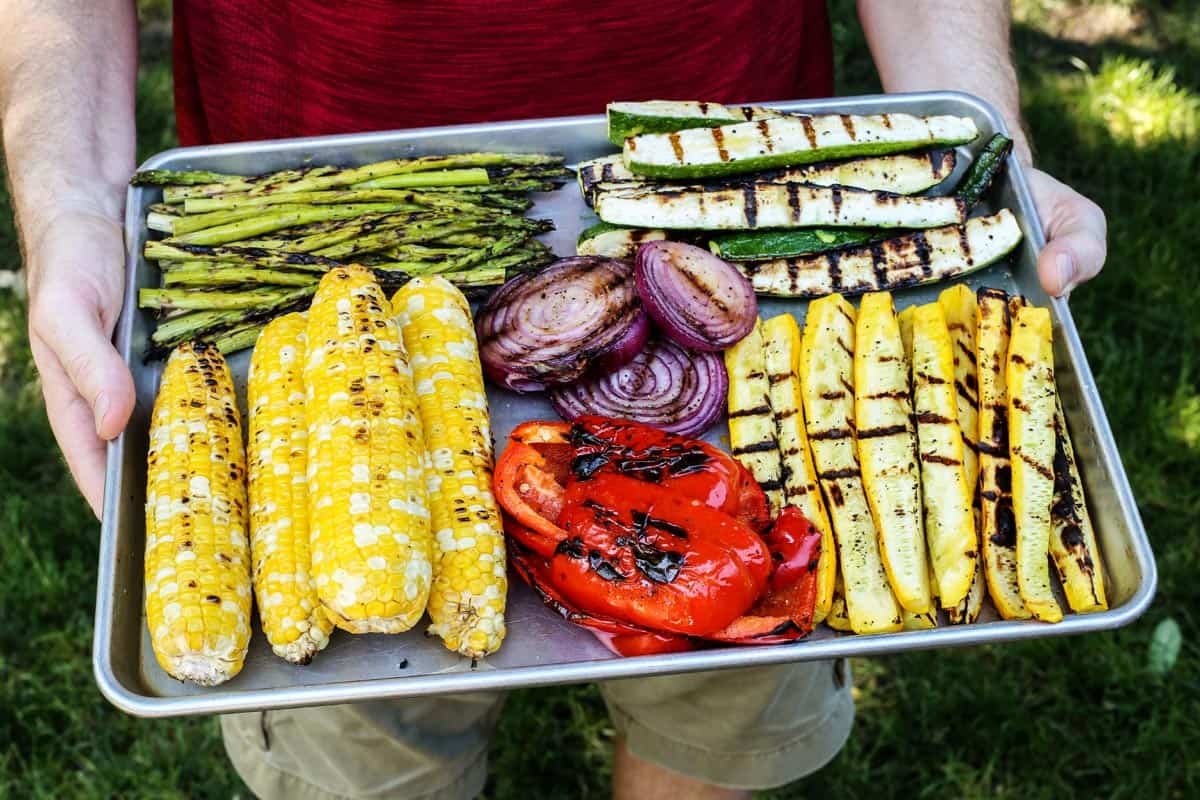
(262, 69)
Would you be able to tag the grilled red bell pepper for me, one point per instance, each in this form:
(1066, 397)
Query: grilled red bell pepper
(648, 538)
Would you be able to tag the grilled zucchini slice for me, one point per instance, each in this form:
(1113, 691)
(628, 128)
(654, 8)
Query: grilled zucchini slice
(826, 375)
(1072, 538)
(1031, 444)
(752, 437)
(887, 449)
(901, 174)
(908, 260)
(949, 523)
(761, 204)
(786, 141)
(614, 241)
(781, 337)
(961, 310)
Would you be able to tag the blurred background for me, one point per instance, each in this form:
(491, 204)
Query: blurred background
(1111, 94)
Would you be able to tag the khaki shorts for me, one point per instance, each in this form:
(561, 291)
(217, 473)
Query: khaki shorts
(750, 728)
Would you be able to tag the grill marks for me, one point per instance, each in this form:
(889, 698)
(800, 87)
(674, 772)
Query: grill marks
(718, 137)
(673, 138)
(764, 131)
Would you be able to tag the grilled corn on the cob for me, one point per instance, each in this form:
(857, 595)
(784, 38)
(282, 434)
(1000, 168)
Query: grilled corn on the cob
(470, 583)
(1031, 438)
(371, 542)
(292, 617)
(197, 565)
(800, 489)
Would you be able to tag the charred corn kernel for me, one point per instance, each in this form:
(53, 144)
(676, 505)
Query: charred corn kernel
(1031, 438)
(997, 527)
(1072, 538)
(197, 564)
(946, 496)
(292, 617)
(371, 543)
(470, 582)
(887, 450)
(800, 489)
(753, 439)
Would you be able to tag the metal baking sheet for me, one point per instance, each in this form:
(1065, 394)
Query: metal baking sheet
(541, 648)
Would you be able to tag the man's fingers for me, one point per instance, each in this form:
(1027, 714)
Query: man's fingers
(84, 353)
(1076, 235)
(73, 424)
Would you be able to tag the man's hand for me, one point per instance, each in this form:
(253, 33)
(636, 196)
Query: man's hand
(963, 45)
(75, 267)
(1076, 234)
(67, 70)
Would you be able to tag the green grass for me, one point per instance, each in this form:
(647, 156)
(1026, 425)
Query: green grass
(1057, 719)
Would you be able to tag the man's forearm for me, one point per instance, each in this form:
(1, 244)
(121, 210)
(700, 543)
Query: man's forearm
(946, 44)
(67, 75)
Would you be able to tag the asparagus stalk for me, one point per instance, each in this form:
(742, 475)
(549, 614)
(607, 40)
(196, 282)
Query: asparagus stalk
(349, 177)
(167, 177)
(202, 205)
(225, 275)
(256, 256)
(177, 194)
(381, 240)
(277, 220)
(168, 300)
(472, 176)
(239, 338)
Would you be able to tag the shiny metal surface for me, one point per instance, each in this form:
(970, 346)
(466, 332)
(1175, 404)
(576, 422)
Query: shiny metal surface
(541, 648)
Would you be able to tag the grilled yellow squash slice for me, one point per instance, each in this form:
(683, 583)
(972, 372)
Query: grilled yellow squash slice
(782, 344)
(826, 372)
(752, 437)
(887, 449)
(919, 622)
(997, 526)
(1072, 539)
(949, 523)
(962, 320)
(1031, 438)
(837, 617)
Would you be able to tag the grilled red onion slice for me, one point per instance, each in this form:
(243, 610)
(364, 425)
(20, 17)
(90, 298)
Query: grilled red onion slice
(665, 385)
(547, 327)
(696, 298)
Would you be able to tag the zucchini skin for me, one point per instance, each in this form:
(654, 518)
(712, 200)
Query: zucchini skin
(768, 244)
(787, 141)
(984, 169)
(909, 260)
(634, 119)
(615, 241)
